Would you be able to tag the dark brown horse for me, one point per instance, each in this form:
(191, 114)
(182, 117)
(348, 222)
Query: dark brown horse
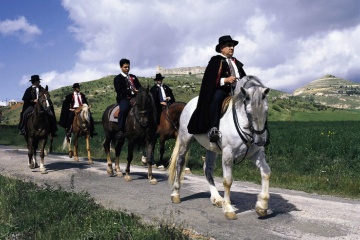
(80, 128)
(37, 129)
(168, 127)
(140, 130)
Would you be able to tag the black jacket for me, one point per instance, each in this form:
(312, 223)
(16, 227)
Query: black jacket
(29, 97)
(156, 91)
(122, 87)
(200, 120)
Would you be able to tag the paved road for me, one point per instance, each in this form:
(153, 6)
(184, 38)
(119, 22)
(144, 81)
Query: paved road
(292, 215)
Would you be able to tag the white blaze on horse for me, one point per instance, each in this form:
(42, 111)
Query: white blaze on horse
(80, 128)
(244, 134)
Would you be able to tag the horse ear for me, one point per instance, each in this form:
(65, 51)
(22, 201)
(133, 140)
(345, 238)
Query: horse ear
(46, 88)
(266, 91)
(243, 91)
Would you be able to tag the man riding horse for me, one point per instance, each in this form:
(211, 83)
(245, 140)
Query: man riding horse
(30, 98)
(73, 101)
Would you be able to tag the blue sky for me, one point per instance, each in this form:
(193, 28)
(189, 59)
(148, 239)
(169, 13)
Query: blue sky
(285, 43)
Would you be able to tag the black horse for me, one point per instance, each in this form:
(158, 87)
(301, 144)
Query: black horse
(37, 129)
(140, 130)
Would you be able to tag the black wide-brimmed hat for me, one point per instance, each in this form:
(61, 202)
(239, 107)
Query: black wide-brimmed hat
(34, 78)
(76, 85)
(158, 77)
(225, 39)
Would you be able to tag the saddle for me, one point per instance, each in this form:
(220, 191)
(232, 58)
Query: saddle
(225, 105)
(114, 113)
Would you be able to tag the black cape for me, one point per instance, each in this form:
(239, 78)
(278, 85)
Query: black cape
(200, 120)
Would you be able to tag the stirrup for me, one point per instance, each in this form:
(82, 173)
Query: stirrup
(214, 134)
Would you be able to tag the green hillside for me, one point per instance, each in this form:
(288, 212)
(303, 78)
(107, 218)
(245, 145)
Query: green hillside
(282, 107)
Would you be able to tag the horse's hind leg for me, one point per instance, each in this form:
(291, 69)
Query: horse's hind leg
(177, 166)
(106, 146)
(209, 166)
(31, 157)
(88, 148)
(119, 145)
(76, 147)
(263, 198)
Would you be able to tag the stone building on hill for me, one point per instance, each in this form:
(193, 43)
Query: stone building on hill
(180, 71)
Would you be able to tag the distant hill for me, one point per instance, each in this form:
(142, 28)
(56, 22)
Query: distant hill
(332, 91)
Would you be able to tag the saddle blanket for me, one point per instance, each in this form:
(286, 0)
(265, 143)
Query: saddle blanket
(114, 114)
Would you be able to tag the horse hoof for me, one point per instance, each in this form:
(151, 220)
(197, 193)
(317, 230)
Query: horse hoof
(175, 199)
(218, 204)
(119, 174)
(153, 181)
(110, 172)
(43, 171)
(261, 212)
(230, 216)
(161, 168)
(31, 166)
(128, 178)
(187, 170)
(91, 162)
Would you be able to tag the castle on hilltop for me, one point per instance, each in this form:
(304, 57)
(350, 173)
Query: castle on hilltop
(181, 70)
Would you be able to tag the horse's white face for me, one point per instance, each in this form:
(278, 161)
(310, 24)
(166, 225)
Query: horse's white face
(256, 107)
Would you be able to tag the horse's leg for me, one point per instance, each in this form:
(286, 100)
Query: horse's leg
(227, 166)
(263, 198)
(42, 155)
(76, 146)
(129, 159)
(106, 146)
(150, 160)
(119, 145)
(31, 163)
(177, 166)
(51, 144)
(209, 166)
(68, 140)
(162, 150)
(88, 148)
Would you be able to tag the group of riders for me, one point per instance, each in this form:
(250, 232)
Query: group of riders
(221, 73)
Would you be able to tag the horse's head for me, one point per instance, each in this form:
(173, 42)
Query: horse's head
(144, 107)
(44, 102)
(253, 94)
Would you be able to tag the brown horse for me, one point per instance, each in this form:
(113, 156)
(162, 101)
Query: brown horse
(80, 128)
(140, 130)
(37, 129)
(168, 127)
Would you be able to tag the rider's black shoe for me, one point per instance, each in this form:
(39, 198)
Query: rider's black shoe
(120, 135)
(214, 134)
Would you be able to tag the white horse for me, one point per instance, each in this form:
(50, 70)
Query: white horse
(244, 134)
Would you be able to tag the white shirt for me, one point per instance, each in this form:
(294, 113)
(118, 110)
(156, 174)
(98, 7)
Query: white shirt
(76, 100)
(237, 75)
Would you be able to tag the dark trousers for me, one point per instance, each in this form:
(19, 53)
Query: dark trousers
(215, 107)
(125, 106)
(23, 117)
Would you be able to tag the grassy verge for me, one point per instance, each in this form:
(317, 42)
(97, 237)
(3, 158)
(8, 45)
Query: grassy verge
(30, 212)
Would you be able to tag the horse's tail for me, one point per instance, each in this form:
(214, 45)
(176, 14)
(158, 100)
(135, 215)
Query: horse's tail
(173, 162)
(64, 144)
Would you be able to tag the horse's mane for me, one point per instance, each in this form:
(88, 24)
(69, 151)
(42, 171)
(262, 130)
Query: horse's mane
(84, 114)
(246, 82)
(145, 99)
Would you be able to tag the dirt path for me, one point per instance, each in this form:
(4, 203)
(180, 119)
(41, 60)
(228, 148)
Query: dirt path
(292, 215)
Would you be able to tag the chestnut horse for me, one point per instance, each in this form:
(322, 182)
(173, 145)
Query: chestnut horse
(37, 129)
(80, 128)
(168, 127)
(140, 130)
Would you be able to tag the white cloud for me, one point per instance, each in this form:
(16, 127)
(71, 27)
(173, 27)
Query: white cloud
(20, 28)
(273, 43)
